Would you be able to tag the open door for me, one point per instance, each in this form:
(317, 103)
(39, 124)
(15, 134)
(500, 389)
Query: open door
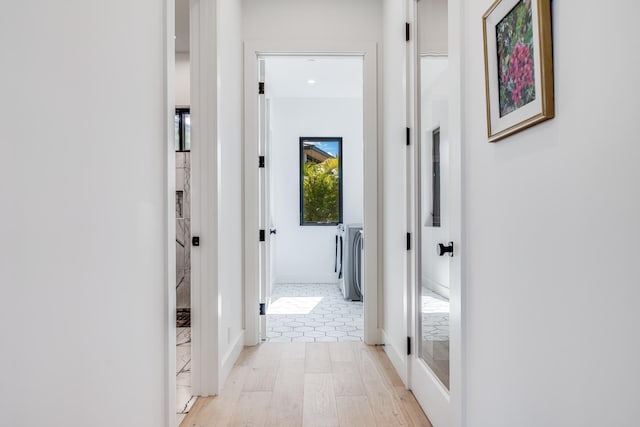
(436, 325)
(270, 246)
(264, 202)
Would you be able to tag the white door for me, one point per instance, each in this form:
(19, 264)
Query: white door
(437, 216)
(270, 246)
(264, 208)
(267, 210)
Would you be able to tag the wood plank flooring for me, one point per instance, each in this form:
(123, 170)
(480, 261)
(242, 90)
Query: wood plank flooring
(339, 384)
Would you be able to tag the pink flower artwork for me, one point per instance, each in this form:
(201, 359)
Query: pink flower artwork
(515, 59)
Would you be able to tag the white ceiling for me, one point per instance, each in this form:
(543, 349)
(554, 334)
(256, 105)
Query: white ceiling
(182, 26)
(334, 76)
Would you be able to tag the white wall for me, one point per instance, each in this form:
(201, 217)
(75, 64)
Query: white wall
(306, 254)
(182, 80)
(230, 146)
(432, 30)
(83, 263)
(343, 20)
(552, 232)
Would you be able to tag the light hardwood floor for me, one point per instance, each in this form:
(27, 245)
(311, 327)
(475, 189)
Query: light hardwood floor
(310, 384)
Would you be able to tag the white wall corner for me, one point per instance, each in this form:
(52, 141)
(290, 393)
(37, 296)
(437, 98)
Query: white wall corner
(170, 187)
(396, 356)
(231, 356)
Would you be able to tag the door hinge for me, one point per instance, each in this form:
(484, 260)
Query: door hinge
(262, 235)
(408, 136)
(408, 241)
(408, 346)
(407, 31)
(263, 309)
(261, 88)
(260, 161)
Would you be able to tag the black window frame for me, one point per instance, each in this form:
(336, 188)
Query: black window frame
(180, 112)
(301, 162)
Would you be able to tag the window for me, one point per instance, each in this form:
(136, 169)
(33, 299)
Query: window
(320, 181)
(183, 129)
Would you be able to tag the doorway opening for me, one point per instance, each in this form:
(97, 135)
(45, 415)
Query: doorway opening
(183, 162)
(313, 198)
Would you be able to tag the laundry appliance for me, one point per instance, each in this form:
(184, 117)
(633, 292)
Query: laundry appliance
(340, 238)
(349, 247)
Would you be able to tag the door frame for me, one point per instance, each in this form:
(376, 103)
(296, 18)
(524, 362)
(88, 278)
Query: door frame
(252, 220)
(168, 112)
(444, 408)
(206, 365)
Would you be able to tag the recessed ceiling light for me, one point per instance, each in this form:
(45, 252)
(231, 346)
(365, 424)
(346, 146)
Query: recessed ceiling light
(311, 81)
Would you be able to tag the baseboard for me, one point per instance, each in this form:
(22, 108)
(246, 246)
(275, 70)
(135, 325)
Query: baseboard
(396, 356)
(436, 287)
(231, 356)
(314, 279)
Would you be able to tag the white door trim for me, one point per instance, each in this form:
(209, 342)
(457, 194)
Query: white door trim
(205, 357)
(444, 408)
(457, 283)
(168, 97)
(252, 49)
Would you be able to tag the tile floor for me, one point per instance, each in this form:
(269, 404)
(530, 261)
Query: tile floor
(434, 347)
(435, 316)
(184, 399)
(313, 313)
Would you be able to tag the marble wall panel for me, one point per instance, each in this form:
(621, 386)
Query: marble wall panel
(187, 245)
(183, 231)
(186, 185)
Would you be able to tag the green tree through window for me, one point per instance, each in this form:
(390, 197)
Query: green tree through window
(320, 181)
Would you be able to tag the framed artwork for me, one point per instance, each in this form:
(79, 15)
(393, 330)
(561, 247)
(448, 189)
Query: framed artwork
(518, 60)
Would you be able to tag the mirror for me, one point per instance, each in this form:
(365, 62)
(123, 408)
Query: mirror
(433, 172)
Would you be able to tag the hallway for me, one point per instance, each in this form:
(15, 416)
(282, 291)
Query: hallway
(310, 384)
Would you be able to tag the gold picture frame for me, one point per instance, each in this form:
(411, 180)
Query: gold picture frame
(518, 61)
